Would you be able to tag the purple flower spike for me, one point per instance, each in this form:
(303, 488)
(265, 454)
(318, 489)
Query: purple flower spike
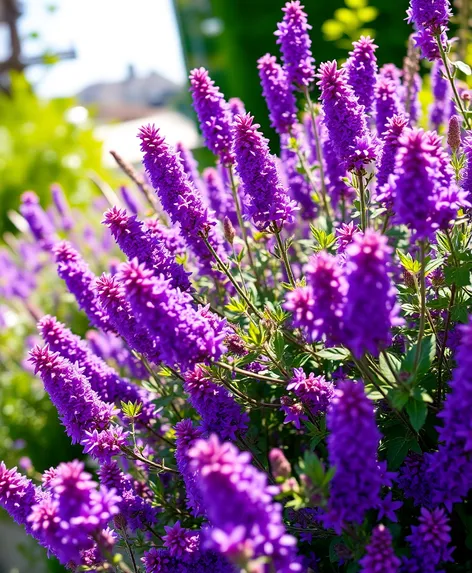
(244, 519)
(179, 197)
(429, 542)
(79, 407)
(135, 505)
(278, 94)
(362, 71)
(136, 241)
(450, 469)
(112, 297)
(344, 118)
(352, 447)
(62, 207)
(370, 293)
(103, 379)
(220, 413)
(80, 281)
(387, 103)
(314, 392)
(73, 514)
(430, 18)
(395, 127)
(317, 308)
(213, 114)
(295, 45)
(379, 553)
(219, 195)
(442, 92)
(186, 434)
(17, 495)
(267, 200)
(186, 336)
(236, 106)
(38, 220)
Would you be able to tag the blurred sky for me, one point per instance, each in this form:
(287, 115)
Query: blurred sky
(108, 35)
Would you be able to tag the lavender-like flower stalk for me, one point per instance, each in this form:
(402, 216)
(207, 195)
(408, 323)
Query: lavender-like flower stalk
(361, 69)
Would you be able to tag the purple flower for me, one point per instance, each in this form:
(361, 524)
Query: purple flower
(219, 195)
(136, 241)
(387, 103)
(17, 495)
(362, 71)
(450, 469)
(370, 293)
(298, 186)
(38, 220)
(413, 480)
(352, 447)
(388, 507)
(430, 18)
(439, 110)
(278, 94)
(185, 436)
(129, 200)
(317, 308)
(112, 298)
(379, 553)
(135, 505)
(267, 200)
(103, 379)
(67, 520)
(213, 114)
(335, 172)
(170, 236)
(345, 235)
(186, 336)
(344, 118)
(415, 104)
(80, 281)
(466, 181)
(417, 177)
(293, 410)
(236, 107)
(195, 560)
(238, 501)
(179, 197)
(395, 127)
(79, 407)
(219, 411)
(429, 541)
(62, 207)
(279, 465)
(314, 392)
(295, 45)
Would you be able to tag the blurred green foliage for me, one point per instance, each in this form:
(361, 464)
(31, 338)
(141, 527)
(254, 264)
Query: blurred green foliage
(349, 23)
(39, 145)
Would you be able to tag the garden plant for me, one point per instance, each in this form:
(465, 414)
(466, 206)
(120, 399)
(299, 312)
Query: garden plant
(277, 375)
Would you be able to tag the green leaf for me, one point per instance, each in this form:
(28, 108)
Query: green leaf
(427, 354)
(336, 354)
(386, 366)
(432, 265)
(398, 448)
(417, 412)
(459, 276)
(408, 262)
(279, 345)
(463, 67)
(399, 397)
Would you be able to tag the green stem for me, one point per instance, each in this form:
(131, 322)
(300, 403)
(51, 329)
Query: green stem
(283, 254)
(225, 270)
(457, 98)
(248, 373)
(443, 347)
(422, 286)
(385, 224)
(360, 181)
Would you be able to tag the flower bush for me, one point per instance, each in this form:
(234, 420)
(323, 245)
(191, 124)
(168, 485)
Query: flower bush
(276, 377)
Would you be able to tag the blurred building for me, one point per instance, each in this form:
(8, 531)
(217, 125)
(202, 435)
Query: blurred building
(130, 98)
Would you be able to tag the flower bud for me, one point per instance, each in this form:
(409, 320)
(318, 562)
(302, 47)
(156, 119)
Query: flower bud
(229, 231)
(454, 133)
(279, 464)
